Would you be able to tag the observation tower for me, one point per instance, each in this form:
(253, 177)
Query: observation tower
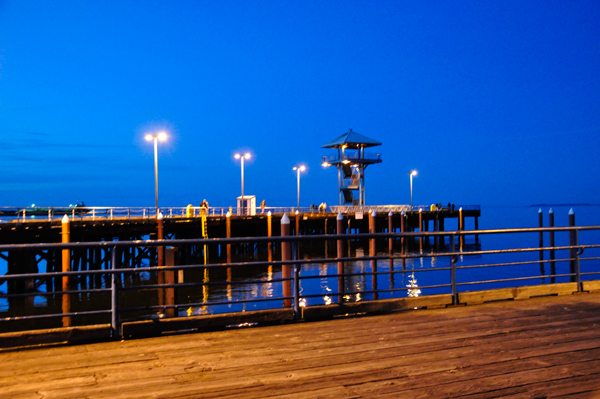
(351, 162)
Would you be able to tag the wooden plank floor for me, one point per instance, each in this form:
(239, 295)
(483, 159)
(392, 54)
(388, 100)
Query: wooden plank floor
(537, 348)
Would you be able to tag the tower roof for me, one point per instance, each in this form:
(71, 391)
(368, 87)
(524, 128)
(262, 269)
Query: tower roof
(351, 139)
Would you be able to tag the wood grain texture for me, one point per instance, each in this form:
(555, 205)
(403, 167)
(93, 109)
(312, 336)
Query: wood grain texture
(538, 348)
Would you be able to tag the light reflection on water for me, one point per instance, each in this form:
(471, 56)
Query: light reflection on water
(412, 282)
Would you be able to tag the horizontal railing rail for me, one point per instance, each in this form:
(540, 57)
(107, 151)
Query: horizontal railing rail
(455, 277)
(24, 214)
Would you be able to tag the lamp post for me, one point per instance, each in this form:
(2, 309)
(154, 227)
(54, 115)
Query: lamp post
(162, 136)
(299, 169)
(241, 157)
(411, 174)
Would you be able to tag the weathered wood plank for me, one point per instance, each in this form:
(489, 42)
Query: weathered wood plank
(374, 307)
(590, 286)
(156, 327)
(70, 335)
(500, 348)
(526, 292)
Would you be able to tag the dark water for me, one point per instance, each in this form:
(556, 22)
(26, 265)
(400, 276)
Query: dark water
(241, 283)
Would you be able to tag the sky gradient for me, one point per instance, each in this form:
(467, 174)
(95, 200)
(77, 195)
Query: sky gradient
(494, 102)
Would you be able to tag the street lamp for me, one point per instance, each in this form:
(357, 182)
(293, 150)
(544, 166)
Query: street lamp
(411, 174)
(162, 136)
(240, 156)
(299, 169)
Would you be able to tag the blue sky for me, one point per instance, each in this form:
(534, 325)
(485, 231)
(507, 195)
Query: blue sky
(494, 102)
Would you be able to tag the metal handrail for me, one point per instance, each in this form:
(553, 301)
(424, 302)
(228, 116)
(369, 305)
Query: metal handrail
(115, 272)
(25, 214)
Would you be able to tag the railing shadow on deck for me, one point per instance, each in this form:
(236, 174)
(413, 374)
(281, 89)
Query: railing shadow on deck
(123, 300)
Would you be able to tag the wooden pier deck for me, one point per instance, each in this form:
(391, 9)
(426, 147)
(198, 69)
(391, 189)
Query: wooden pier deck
(545, 347)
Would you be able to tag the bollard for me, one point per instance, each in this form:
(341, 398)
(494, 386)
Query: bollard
(340, 254)
(373, 251)
(286, 254)
(551, 243)
(66, 267)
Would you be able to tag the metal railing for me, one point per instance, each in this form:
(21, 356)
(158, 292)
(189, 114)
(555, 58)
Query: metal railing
(454, 280)
(21, 215)
(352, 157)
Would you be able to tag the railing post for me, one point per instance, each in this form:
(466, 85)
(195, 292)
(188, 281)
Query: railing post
(577, 270)
(114, 293)
(391, 248)
(453, 258)
(297, 313)
(541, 241)
(551, 244)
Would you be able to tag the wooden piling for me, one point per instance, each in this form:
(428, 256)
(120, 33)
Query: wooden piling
(66, 267)
(572, 242)
(228, 234)
(340, 254)
(442, 228)
(286, 254)
(270, 234)
(390, 230)
(373, 251)
(402, 230)
(461, 227)
(297, 246)
(421, 229)
(170, 293)
(160, 257)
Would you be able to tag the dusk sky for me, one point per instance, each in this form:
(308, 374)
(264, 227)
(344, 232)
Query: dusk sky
(493, 102)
